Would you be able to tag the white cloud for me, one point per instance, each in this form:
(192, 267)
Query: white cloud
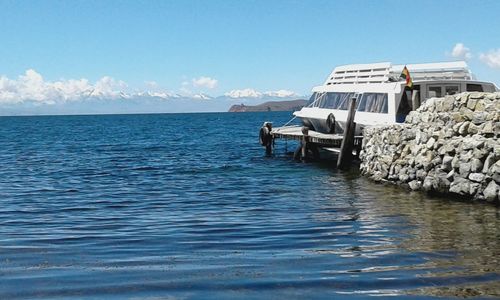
(251, 93)
(108, 87)
(31, 86)
(190, 88)
(461, 52)
(151, 84)
(205, 82)
(492, 58)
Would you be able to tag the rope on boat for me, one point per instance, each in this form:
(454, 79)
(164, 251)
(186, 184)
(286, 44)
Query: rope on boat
(295, 117)
(310, 105)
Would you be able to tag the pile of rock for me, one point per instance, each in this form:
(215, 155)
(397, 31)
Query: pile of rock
(449, 145)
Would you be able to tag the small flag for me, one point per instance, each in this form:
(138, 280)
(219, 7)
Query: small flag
(406, 75)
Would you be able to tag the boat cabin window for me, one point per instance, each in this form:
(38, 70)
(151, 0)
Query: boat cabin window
(474, 87)
(434, 91)
(373, 102)
(333, 100)
(440, 91)
(452, 89)
(313, 98)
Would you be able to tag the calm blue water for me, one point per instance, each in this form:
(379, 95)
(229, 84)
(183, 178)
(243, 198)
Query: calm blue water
(188, 206)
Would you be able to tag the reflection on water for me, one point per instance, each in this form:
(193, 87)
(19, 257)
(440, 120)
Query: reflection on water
(460, 240)
(124, 207)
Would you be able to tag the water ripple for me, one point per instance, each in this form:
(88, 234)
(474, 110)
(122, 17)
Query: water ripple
(132, 207)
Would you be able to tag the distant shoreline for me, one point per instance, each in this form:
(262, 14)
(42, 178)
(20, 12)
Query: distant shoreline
(290, 105)
(120, 114)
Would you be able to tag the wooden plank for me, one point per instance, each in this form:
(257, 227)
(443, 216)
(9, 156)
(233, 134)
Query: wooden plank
(322, 139)
(335, 150)
(345, 155)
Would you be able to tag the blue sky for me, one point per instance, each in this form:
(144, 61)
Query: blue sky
(214, 47)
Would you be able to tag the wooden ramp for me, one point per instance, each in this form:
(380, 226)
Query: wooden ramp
(312, 141)
(322, 139)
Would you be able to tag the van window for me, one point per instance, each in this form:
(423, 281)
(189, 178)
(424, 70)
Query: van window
(373, 102)
(474, 87)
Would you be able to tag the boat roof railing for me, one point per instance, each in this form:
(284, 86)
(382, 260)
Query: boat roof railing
(386, 72)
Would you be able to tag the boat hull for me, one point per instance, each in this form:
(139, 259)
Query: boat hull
(320, 125)
(317, 118)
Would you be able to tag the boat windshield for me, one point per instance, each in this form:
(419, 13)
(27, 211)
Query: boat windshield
(368, 102)
(330, 100)
(314, 97)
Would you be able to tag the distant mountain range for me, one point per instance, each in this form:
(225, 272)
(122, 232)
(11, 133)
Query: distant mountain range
(149, 103)
(289, 105)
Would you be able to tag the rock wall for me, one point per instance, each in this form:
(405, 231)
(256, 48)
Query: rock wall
(448, 145)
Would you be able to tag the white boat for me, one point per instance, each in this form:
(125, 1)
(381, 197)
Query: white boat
(381, 95)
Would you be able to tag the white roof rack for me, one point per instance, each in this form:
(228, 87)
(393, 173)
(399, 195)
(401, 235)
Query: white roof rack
(360, 73)
(386, 72)
(457, 70)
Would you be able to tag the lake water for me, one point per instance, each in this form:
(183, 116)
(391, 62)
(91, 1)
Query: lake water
(177, 206)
